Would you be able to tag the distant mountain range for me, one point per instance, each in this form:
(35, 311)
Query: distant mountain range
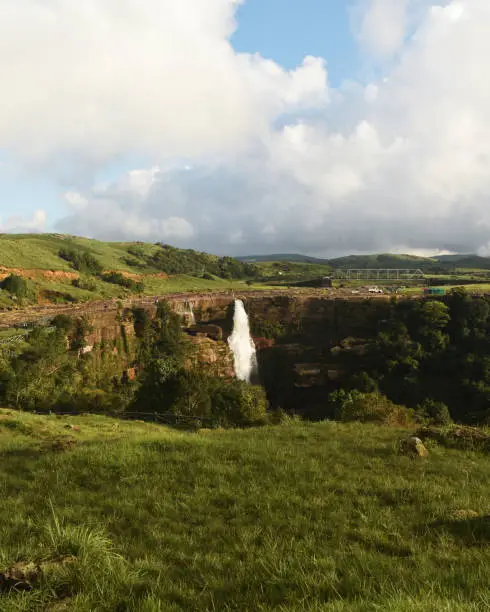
(382, 260)
(290, 257)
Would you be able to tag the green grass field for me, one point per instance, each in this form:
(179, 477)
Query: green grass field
(477, 288)
(294, 271)
(295, 517)
(40, 251)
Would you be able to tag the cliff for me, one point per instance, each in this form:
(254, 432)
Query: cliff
(301, 338)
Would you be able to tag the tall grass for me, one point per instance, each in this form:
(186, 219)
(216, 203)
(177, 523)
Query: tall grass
(294, 517)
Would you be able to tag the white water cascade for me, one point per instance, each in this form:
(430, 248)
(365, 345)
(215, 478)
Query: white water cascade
(187, 313)
(190, 314)
(241, 344)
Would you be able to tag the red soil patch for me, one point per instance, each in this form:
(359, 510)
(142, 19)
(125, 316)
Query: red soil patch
(53, 275)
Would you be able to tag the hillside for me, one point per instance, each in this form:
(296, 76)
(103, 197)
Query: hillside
(292, 517)
(291, 272)
(288, 257)
(383, 260)
(42, 251)
(469, 262)
(61, 268)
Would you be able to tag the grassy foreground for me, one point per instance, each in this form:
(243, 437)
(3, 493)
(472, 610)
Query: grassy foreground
(326, 516)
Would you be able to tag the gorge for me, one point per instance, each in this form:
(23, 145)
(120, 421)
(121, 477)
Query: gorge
(306, 345)
(287, 342)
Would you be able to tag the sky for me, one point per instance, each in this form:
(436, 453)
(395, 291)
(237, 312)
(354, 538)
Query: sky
(323, 127)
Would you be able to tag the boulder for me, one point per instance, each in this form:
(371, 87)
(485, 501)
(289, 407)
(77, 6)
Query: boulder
(457, 436)
(20, 577)
(414, 447)
(210, 331)
(24, 576)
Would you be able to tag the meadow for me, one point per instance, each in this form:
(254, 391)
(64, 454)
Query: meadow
(132, 516)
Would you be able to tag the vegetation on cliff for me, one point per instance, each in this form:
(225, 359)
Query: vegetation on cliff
(430, 351)
(53, 370)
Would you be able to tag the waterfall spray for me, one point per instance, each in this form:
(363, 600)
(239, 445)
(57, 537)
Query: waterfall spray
(242, 345)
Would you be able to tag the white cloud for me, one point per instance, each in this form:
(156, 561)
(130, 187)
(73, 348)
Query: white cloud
(248, 156)
(98, 79)
(19, 224)
(382, 26)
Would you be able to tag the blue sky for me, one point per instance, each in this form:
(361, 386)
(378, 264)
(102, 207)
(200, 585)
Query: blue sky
(287, 30)
(283, 30)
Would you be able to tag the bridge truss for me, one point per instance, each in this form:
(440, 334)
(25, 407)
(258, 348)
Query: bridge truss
(379, 274)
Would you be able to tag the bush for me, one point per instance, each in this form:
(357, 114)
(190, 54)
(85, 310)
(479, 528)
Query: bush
(81, 328)
(87, 284)
(435, 413)
(185, 396)
(179, 261)
(17, 286)
(64, 322)
(457, 436)
(58, 297)
(264, 328)
(116, 278)
(369, 408)
(237, 404)
(82, 261)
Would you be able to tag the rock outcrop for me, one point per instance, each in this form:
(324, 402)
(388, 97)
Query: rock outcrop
(414, 447)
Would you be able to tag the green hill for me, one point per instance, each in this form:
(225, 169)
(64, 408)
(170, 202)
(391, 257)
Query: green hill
(34, 251)
(113, 515)
(288, 257)
(383, 260)
(51, 264)
(467, 262)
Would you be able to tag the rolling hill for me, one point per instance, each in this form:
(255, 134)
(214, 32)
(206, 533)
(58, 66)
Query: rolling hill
(383, 260)
(69, 268)
(466, 262)
(43, 251)
(288, 257)
(438, 264)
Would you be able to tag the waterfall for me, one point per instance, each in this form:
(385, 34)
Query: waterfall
(242, 345)
(190, 314)
(187, 313)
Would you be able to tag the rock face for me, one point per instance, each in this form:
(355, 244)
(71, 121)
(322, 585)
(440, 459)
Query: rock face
(414, 447)
(213, 356)
(294, 334)
(208, 331)
(300, 337)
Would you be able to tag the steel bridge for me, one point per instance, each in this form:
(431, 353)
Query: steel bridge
(379, 274)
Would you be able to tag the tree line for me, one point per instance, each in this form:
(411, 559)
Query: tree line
(429, 354)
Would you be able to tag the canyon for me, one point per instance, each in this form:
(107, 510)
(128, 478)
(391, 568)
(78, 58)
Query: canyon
(300, 337)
